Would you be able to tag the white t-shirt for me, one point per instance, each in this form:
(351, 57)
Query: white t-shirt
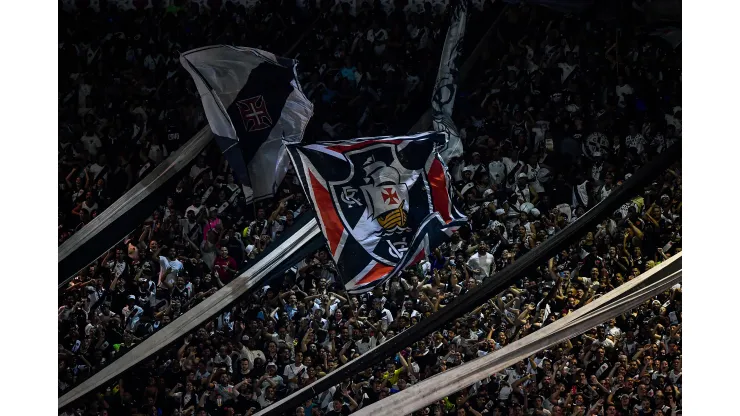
(149, 295)
(636, 141)
(378, 39)
(137, 312)
(92, 144)
(363, 347)
(118, 268)
(263, 401)
(83, 93)
(484, 263)
(195, 171)
(565, 70)
(291, 371)
(332, 308)
(511, 166)
(623, 91)
(165, 263)
(675, 122)
(497, 172)
(95, 169)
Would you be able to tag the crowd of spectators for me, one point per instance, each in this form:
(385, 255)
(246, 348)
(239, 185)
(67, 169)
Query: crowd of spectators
(125, 103)
(204, 233)
(559, 119)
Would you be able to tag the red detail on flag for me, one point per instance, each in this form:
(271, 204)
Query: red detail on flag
(389, 196)
(333, 227)
(377, 272)
(438, 185)
(341, 148)
(419, 257)
(254, 113)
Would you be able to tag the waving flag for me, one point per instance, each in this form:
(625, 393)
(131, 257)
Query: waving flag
(383, 203)
(253, 103)
(445, 88)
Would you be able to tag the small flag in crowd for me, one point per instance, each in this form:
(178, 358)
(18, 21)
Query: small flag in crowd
(253, 103)
(445, 88)
(383, 203)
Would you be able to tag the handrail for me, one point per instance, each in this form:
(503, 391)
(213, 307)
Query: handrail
(200, 313)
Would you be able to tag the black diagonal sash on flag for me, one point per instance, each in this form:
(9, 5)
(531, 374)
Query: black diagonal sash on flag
(253, 103)
(383, 203)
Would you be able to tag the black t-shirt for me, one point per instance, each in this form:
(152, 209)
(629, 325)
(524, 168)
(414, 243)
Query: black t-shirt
(181, 295)
(424, 361)
(243, 404)
(173, 136)
(372, 396)
(213, 408)
(598, 368)
(344, 411)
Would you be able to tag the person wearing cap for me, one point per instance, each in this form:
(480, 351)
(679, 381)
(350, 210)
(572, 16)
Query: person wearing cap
(132, 314)
(475, 165)
(467, 178)
(271, 378)
(342, 405)
(524, 192)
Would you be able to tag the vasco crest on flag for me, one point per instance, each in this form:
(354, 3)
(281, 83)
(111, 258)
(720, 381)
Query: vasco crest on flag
(383, 203)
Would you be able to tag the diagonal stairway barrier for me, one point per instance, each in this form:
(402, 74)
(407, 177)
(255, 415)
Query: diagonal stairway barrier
(128, 211)
(292, 250)
(490, 287)
(611, 305)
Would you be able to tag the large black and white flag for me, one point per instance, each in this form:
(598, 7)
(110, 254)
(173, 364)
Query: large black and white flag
(253, 103)
(383, 203)
(445, 88)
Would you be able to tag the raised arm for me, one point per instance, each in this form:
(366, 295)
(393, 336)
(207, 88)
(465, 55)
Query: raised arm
(68, 179)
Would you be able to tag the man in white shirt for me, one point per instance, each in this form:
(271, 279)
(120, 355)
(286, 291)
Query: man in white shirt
(386, 317)
(91, 141)
(497, 170)
(367, 342)
(377, 36)
(222, 359)
(482, 262)
(169, 267)
(292, 374)
(613, 330)
(623, 90)
(200, 166)
(249, 351)
(131, 314)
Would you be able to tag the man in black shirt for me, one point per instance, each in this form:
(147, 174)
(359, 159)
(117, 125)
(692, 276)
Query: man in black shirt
(372, 394)
(339, 407)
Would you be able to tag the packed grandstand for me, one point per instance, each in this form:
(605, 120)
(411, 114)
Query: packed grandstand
(557, 113)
